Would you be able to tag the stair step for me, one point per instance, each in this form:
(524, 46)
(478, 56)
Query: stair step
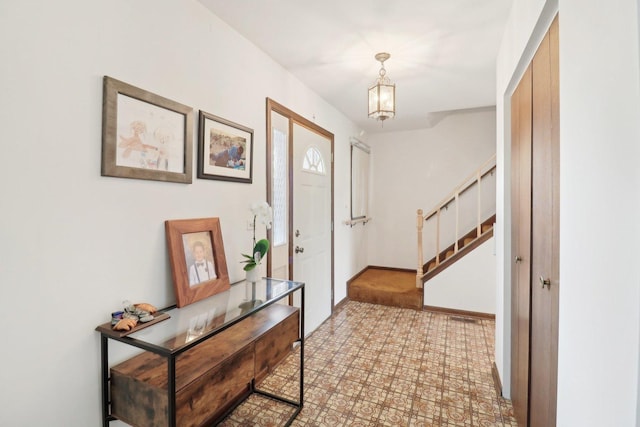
(449, 254)
(432, 265)
(467, 241)
(486, 227)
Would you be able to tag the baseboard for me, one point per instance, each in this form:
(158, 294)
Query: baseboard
(457, 312)
(341, 304)
(496, 379)
(358, 274)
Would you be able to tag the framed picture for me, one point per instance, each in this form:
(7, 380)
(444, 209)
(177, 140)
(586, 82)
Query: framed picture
(145, 136)
(225, 150)
(198, 263)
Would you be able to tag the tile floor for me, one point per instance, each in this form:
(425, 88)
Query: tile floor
(373, 365)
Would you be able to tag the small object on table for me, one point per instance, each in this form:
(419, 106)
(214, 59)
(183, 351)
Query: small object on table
(125, 324)
(116, 316)
(146, 307)
(147, 318)
(133, 313)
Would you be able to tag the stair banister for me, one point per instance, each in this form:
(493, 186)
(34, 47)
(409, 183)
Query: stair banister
(473, 179)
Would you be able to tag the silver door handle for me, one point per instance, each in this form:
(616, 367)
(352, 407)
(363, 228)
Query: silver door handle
(299, 249)
(518, 258)
(545, 282)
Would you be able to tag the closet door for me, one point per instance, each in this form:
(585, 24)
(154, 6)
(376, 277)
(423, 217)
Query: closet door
(521, 245)
(535, 237)
(545, 243)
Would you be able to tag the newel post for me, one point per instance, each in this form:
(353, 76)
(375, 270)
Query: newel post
(419, 225)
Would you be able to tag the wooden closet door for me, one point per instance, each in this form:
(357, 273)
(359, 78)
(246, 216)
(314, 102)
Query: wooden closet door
(545, 242)
(521, 245)
(535, 237)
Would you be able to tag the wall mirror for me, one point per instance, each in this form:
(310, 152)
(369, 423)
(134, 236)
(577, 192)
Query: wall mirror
(360, 153)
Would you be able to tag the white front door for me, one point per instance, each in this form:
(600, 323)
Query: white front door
(300, 174)
(312, 233)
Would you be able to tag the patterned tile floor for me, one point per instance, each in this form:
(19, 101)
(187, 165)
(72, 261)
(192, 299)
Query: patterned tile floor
(372, 365)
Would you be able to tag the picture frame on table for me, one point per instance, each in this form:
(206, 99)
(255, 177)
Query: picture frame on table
(144, 135)
(225, 150)
(198, 262)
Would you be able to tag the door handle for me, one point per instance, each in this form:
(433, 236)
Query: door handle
(545, 282)
(297, 233)
(518, 258)
(299, 250)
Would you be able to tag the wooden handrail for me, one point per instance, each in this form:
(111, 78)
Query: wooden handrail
(473, 179)
(465, 185)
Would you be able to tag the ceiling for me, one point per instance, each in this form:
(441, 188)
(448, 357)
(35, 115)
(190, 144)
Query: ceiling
(443, 52)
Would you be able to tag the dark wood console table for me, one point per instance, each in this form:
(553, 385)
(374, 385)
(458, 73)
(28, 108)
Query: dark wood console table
(205, 359)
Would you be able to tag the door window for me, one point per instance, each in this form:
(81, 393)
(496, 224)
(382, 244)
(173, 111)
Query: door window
(313, 161)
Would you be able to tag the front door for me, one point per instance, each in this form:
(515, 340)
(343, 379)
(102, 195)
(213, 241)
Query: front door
(312, 221)
(300, 176)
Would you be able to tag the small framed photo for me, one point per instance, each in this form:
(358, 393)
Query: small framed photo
(145, 136)
(198, 262)
(225, 150)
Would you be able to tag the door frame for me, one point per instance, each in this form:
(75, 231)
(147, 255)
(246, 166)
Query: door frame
(295, 118)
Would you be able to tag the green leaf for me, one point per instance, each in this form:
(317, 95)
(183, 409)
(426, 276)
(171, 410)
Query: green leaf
(261, 246)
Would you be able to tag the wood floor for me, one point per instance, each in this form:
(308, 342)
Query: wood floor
(394, 288)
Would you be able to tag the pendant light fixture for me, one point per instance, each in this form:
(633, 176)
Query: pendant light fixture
(382, 95)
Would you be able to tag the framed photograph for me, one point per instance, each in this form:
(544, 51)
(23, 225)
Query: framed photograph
(145, 136)
(198, 263)
(225, 150)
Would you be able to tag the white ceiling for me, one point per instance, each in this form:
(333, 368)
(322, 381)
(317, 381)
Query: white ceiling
(443, 52)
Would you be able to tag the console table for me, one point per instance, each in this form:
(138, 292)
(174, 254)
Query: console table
(197, 366)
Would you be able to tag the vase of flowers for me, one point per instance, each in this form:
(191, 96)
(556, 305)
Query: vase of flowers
(262, 213)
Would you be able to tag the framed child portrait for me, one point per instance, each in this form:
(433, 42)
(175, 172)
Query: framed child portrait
(198, 262)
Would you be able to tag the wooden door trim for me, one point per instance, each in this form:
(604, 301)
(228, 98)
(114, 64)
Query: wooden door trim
(295, 118)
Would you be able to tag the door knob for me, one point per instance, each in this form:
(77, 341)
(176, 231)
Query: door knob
(518, 258)
(299, 249)
(545, 282)
(297, 233)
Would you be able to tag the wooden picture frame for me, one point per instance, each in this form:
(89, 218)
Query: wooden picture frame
(145, 136)
(225, 150)
(198, 262)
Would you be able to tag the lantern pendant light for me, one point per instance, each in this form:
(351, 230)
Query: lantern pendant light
(382, 95)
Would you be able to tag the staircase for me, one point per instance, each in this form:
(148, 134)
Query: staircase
(466, 244)
(459, 223)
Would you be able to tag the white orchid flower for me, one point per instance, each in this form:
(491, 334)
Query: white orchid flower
(263, 212)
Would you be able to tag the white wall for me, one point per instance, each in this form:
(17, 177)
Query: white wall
(599, 152)
(599, 177)
(469, 284)
(414, 170)
(74, 244)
